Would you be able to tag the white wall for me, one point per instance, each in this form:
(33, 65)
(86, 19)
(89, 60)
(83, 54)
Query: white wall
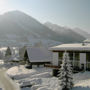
(55, 58)
(83, 59)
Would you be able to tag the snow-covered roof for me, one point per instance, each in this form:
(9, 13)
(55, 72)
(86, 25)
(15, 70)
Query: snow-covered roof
(87, 41)
(75, 46)
(13, 58)
(39, 54)
(3, 48)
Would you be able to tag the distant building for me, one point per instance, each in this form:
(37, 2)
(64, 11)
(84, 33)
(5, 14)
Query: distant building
(79, 54)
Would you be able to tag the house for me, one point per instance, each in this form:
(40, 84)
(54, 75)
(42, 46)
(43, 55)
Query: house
(79, 54)
(36, 55)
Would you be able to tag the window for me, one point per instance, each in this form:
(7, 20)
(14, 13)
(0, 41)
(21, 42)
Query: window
(88, 57)
(77, 57)
(60, 55)
(71, 55)
(76, 64)
(88, 65)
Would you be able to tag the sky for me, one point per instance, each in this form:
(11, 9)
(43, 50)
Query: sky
(69, 13)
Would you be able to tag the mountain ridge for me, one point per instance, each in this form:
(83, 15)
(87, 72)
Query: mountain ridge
(77, 30)
(21, 26)
(68, 32)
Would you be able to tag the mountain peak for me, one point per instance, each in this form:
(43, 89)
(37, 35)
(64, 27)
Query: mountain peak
(15, 12)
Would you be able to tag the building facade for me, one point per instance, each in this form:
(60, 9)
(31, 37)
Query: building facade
(79, 55)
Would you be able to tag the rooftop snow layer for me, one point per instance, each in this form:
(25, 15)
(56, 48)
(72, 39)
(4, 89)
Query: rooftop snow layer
(39, 54)
(75, 46)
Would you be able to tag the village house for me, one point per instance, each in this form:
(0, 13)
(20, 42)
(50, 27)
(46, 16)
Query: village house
(35, 55)
(79, 54)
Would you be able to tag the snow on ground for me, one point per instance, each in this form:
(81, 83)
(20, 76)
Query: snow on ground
(42, 79)
(1, 86)
(82, 79)
(1, 62)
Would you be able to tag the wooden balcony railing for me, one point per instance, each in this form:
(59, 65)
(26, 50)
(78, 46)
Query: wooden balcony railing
(52, 66)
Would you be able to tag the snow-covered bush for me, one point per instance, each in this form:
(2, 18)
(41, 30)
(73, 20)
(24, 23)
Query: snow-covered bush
(65, 73)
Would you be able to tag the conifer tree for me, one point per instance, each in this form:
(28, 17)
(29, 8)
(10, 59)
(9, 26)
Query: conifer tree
(65, 73)
(8, 52)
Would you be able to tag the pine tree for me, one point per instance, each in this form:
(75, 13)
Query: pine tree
(8, 52)
(65, 73)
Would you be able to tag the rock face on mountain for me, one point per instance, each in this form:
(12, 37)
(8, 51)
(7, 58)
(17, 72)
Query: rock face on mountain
(21, 27)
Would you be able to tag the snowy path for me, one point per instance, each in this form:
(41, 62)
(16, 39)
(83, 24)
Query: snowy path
(6, 82)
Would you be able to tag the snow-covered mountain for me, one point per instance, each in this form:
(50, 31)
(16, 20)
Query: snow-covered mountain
(16, 26)
(82, 32)
(69, 34)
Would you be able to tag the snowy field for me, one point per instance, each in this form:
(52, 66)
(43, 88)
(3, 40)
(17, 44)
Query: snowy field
(42, 79)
